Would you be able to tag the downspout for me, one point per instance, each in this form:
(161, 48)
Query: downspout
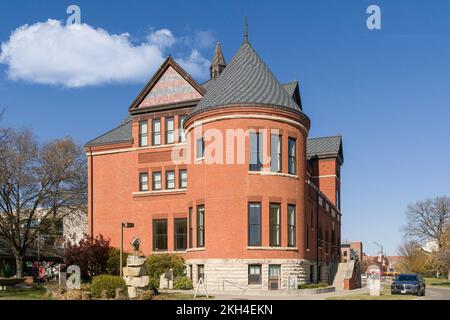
(317, 237)
(92, 191)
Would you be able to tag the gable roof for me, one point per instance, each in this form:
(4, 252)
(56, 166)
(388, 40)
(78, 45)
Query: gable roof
(120, 134)
(325, 147)
(246, 81)
(169, 62)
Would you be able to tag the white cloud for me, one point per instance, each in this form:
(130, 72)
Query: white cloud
(195, 64)
(162, 38)
(204, 39)
(80, 55)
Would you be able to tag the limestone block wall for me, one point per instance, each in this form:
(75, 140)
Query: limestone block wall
(232, 274)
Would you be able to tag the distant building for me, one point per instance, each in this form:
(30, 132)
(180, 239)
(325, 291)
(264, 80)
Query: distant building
(349, 250)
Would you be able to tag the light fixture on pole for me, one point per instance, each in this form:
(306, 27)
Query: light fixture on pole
(122, 226)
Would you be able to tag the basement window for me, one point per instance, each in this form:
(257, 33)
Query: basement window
(254, 274)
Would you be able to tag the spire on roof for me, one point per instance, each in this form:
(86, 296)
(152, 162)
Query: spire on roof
(217, 62)
(246, 31)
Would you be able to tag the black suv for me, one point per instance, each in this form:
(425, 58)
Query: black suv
(408, 284)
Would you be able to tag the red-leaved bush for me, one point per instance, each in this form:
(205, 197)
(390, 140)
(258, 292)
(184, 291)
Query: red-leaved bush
(90, 254)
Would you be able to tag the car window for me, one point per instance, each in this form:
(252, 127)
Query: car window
(407, 277)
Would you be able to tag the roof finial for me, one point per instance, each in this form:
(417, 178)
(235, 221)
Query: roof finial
(246, 30)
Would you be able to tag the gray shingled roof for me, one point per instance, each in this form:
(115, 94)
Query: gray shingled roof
(122, 133)
(290, 87)
(324, 147)
(246, 80)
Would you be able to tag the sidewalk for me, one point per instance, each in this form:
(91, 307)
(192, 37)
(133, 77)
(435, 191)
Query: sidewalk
(320, 296)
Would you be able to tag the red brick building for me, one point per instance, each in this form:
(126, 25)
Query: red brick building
(223, 174)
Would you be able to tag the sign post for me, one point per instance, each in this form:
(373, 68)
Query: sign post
(374, 280)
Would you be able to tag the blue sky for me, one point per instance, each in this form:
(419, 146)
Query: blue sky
(386, 91)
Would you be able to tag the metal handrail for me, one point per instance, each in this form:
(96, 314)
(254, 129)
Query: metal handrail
(234, 285)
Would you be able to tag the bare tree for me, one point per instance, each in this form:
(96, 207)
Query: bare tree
(427, 220)
(414, 259)
(39, 185)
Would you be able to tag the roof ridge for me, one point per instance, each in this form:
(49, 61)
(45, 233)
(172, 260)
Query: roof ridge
(325, 137)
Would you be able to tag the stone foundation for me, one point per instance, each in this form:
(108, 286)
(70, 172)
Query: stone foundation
(232, 274)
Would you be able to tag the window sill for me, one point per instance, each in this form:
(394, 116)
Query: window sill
(199, 159)
(166, 251)
(195, 249)
(274, 248)
(162, 146)
(270, 173)
(158, 192)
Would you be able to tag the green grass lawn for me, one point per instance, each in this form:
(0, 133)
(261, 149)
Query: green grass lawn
(439, 282)
(385, 295)
(16, 293)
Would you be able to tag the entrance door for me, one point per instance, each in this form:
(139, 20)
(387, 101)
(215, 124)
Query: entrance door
(274, 276)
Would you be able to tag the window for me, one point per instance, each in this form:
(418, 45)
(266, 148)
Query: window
(320, 201)
(200, 150)
(170, 130)
(170, 180)
(254, 274)
(180, 241)
(156, 133)
(200, 226)
(159, 234)
(275, 224)
(275, 152)
(307, 238)
(345, 253)
(255, 151)
(183, 179)
(312, 218)
(143, 133)
(190, 227)
(327, 207)
(156, 184)
(254, 224)
(338, 199)
(274, 271)
(201, 271)
(291, 156)
(181, 136)
(291, 225)
(143, 181)
(326, 241)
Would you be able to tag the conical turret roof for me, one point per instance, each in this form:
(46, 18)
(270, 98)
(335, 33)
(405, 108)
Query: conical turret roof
(246, 81)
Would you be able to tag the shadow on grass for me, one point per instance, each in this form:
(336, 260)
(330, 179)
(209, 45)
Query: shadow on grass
(22, 293)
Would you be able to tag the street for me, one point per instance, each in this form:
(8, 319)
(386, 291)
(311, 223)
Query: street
(433, 293)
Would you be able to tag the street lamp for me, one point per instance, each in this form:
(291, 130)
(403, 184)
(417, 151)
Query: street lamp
(122, 226)
(382, 252)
